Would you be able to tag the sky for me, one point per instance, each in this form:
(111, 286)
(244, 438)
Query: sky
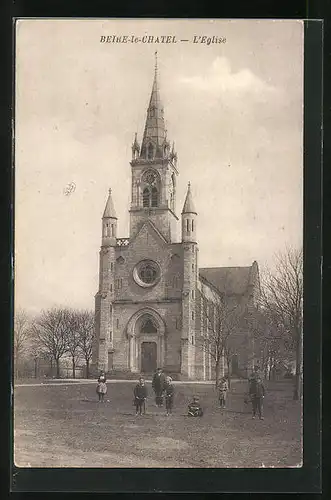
(234, 110)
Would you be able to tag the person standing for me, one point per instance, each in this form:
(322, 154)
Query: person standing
(158, 386)
(256, 393)
(256, 374)
(222, 392)
(140, 396)
(169, 393)
(102, 387)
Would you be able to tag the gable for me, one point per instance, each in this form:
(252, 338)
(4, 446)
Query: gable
(147, 233)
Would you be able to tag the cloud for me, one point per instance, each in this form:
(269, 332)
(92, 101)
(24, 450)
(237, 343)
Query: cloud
(220, 78)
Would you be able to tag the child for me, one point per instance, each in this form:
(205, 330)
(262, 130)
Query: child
(256, 393)
(194, 408)
(222, 392)
(169, 392)
(140, 396)
(101, 387)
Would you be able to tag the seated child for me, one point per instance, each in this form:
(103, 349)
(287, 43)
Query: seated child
(140, 396)
(194, 408)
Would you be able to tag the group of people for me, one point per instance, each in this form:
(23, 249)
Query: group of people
(164, 391)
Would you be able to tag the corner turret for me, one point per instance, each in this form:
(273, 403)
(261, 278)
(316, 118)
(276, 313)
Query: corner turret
(109, 223)
(189, 216)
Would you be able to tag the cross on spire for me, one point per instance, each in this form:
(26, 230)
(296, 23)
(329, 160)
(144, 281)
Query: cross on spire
(155, 61)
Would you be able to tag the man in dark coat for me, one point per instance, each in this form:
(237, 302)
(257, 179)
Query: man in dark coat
(256, 393)
(158, 386)
(140, 396)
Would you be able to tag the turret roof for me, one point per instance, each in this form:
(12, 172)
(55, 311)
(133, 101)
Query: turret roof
(188, 207)
(109, 209)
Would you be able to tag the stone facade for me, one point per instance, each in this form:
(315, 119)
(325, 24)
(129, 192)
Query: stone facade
(150, 308)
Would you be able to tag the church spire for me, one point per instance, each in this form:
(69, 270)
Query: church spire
(154, 137)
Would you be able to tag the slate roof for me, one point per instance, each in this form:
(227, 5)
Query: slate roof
(229, 280)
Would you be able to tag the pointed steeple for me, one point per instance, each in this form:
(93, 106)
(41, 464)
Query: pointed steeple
(188, 207)
(109, 209)
(154, 134)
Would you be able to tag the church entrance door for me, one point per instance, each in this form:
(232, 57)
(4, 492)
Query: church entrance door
(148, 357)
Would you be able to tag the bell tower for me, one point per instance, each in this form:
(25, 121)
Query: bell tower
(190, 279)
(154, 172)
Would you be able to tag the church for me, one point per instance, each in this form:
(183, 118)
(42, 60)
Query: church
(150, 308)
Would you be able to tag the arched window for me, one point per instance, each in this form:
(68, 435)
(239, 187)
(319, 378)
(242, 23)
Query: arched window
(148, 326)
(187, 225)
(146, 197)
(154, 197)
(150, 152)
(192, 225)
(150, 197)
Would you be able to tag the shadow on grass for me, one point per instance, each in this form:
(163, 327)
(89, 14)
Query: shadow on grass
(234, 411)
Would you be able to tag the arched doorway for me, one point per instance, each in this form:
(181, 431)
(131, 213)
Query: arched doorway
(146, 341)
(148, 350)
(148, 357)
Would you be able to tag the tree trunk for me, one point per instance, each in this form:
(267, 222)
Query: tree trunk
(35, 368)
(297, 379)
(16, 362)
(73, 367)
(217, 371)
(87, 368)
(228, 362)
(57, 368)
(16, 367)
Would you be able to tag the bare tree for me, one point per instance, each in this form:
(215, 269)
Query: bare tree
(224, 319)
(22, 333)
(86, 332)
(273, 343)
(35, 351)
(282, 297)
(73, 337)
(52, 335)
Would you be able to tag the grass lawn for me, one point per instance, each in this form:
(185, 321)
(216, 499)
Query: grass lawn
(65, 426)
